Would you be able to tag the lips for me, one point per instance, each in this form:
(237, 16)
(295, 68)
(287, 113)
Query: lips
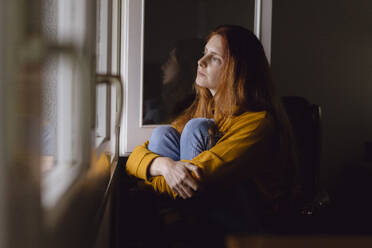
(201, 74)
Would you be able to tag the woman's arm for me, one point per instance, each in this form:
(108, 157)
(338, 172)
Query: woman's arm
(177, 175)
(164, 174)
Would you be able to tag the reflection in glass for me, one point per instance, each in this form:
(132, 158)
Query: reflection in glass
(178, 76)
(174, 34)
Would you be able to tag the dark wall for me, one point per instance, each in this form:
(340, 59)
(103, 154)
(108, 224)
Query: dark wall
(322, 50)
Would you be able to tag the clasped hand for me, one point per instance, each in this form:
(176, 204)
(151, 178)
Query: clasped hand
(177, 174)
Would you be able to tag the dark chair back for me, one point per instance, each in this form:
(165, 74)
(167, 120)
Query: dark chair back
(305, 120)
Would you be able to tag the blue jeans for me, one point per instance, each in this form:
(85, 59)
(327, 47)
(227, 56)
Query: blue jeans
(195, 138)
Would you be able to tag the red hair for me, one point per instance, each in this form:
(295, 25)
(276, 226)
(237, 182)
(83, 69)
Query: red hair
(245, 80)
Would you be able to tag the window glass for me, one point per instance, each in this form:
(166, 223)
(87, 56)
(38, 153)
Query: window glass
(49, 89)
(66, 99)
(174, 34)
(102, 67)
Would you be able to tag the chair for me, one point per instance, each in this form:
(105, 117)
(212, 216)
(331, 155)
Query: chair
(305, 119)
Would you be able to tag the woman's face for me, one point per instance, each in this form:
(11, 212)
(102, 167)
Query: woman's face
(211, 64)
(170, 68)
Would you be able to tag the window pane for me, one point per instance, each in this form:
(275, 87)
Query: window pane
(66, 99)
(49, 114)
(174, 34)
(101, 113)
(49, 89)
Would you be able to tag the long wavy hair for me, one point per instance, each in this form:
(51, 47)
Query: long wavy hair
(246, 85)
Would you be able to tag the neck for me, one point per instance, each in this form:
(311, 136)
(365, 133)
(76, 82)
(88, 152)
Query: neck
(212, 91)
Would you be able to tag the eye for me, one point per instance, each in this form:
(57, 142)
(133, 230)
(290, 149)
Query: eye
(215, 59)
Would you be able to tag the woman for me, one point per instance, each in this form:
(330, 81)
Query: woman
(235, 117)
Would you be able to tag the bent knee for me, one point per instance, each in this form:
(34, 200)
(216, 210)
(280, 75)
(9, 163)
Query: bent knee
(198, 125)
(162, 133)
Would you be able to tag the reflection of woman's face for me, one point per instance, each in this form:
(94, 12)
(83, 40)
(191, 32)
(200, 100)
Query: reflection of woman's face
(211, 64)
(170, 68)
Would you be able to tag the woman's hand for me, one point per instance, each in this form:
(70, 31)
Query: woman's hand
(177, 174)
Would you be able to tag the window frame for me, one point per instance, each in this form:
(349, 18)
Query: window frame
(103, 91)
(107, 72)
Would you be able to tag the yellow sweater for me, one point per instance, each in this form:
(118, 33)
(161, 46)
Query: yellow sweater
(240, 134)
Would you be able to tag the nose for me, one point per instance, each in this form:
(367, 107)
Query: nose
(202, 62)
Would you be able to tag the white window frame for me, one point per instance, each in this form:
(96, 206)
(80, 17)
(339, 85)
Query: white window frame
(103, 91)
(132, 39)
(108, 80)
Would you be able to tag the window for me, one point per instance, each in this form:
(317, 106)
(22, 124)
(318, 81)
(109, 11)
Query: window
(66, 125)
(133, 64)
(66, 85)
(82, 92)
(174, 34)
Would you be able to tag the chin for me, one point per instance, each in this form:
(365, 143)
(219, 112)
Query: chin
(200, 83)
